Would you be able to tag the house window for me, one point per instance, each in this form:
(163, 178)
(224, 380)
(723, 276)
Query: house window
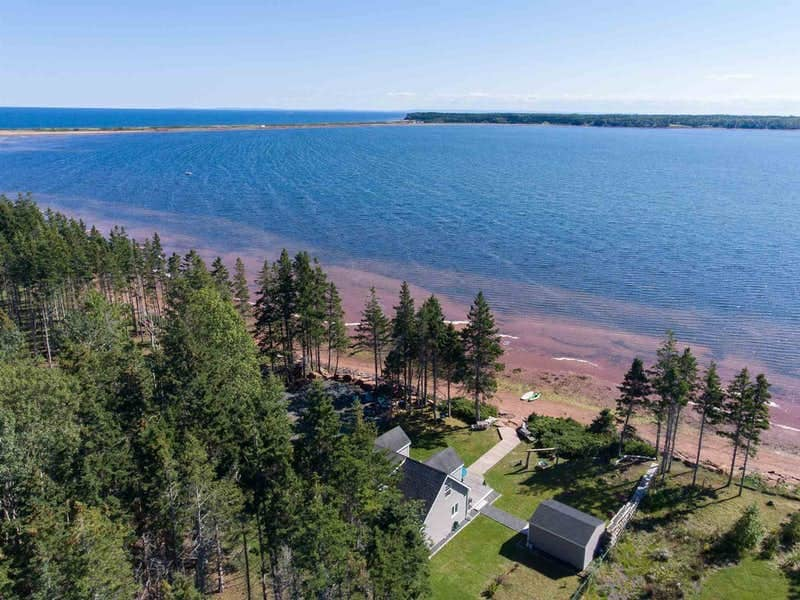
(454, 510)
(447, 489)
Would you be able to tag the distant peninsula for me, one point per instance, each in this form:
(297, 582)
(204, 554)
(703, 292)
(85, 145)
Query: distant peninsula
(612, 120)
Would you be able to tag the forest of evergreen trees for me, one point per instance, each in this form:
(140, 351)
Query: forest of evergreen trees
(612, 120)
(145, 446)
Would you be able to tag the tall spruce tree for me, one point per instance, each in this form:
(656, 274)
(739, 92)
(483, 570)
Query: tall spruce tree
(269, 322)
(336, 337)
(222, 278)
(734, 414)
(404, 330)
(241, 291)
(634, 390)
(430, 327)
(709, 405)
(756, 420)
(372, 332)
(482, 349)
(453, 361)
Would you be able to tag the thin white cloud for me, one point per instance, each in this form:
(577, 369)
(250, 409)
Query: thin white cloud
(730, 76)
(401, 94)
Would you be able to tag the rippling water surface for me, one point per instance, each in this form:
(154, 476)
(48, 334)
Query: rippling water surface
(103, 118)
(636, 229)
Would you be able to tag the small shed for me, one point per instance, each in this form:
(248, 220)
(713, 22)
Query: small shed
(565, 533)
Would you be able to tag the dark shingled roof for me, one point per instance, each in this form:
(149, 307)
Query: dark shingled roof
(421, 482)
(394, 440)
(565, 522)
(445, 461)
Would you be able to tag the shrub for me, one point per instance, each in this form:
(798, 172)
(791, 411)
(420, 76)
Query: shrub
(464, 409)
(790, 531)
(603, 422)
(639, 448)
(571, 438)
(770, 545)
(746, 533)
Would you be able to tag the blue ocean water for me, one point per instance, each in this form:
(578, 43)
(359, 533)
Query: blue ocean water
(80, 118)
(698, 230)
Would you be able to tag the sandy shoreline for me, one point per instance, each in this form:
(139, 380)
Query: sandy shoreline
(577, 365)
(193, 128)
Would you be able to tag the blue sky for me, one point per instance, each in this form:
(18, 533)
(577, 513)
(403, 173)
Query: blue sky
(735, 57)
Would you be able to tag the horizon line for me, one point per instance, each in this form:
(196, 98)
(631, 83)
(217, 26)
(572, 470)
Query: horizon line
(406, 111)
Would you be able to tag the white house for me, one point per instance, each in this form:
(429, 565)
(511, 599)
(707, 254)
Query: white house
(441, 483)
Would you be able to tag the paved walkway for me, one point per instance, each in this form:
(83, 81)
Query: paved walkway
(502, 517)
(508, 441)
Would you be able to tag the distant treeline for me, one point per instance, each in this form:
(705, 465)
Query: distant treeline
(612, 120)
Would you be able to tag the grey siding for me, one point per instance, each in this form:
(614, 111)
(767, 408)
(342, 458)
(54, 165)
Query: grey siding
(405, 450)
(574, 554)
(439, 521)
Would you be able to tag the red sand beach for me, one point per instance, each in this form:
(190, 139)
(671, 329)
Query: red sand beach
(576, 365)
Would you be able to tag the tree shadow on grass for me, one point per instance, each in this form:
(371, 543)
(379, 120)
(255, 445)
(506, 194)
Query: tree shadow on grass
(424, 433)
(514, 549)
(794, 584)
(582, 484)
(669, 504)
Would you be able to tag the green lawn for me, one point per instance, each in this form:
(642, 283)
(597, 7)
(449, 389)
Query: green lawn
(466, 566)
(428, 438)
(751, 579)
(666, 544)
(597, 489)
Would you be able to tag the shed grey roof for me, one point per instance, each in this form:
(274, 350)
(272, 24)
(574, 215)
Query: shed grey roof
(566, 522)
(395, 440)
(445, 461)
(421, 482)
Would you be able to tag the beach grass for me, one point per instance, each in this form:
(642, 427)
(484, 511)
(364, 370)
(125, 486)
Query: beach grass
(668, 543)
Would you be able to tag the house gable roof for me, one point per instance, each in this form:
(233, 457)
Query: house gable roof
(393, 440)
(445, 461)
(421, 482)
(566, 522)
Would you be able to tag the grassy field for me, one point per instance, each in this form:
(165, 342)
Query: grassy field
(667, 545)
(428, 438)
(466, 567)
(486, 550)
(749, 580)
(598, 489)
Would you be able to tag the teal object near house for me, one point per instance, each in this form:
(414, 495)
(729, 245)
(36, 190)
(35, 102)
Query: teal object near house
(463, 473)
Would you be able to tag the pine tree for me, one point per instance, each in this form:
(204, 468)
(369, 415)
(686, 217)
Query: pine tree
(663, 377)
(268, 327)
(430, 327)
(336, 337)
(634, 390)
(734, 413)
(372, 332)
(318, 429)
(709, 405)
(404, 326)
(222, 278)
(453, 361)
(286, 304)
(674, 380)
(756, 420)
(482, 348)
(241, 291)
